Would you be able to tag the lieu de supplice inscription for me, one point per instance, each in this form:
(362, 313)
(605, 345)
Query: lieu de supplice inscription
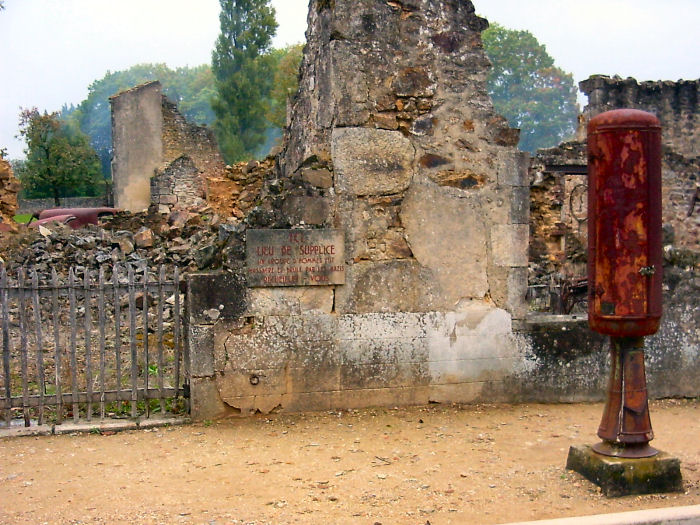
(295, 257)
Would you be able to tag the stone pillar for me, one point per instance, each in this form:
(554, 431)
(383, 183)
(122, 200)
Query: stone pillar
(427, 178)
(211, 298)
(137, 122)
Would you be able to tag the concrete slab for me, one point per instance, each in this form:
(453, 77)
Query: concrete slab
(623, 477)
(118, 425)
(668, 516)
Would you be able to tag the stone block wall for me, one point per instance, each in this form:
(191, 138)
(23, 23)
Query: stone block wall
(558, 227)
(178, 183)
(394, 141)
(420, 172)
(36, 205)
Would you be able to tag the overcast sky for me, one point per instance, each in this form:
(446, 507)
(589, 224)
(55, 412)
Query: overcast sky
(51, 50)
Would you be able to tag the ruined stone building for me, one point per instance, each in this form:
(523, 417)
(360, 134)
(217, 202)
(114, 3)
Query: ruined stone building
(394, 142)
(396, 168)
(159, 157)
(559, 182)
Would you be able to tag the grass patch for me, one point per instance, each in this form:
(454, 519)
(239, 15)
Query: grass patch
(23, 218)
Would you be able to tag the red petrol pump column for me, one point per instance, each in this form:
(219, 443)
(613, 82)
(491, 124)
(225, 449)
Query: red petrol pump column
(625, 266)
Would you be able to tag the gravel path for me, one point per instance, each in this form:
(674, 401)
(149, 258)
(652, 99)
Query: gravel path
(437, 464)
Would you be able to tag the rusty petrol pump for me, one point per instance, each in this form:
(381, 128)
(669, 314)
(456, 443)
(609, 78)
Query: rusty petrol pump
(625, 297)
(625, 267)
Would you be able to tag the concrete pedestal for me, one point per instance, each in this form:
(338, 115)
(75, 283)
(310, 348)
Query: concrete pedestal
(623, 477)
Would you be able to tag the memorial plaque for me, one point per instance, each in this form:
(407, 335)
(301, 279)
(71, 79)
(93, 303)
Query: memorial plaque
(295, 257)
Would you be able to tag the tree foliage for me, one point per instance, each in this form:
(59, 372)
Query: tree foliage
(60, 161)
(243, 73)
(528, 89)
(285, 82)
(191, 88)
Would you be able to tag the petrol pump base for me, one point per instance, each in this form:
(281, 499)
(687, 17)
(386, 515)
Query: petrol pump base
(625, 476)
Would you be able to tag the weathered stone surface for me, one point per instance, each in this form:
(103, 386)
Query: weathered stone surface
(137, 128)
(624, 477)
(383, 326)
(9, 187)
(356, 376)
(414, 82)
(200, 339)
(144, 238)
(320, 178)
(458, 393)
(371, 161)
(179, 183)
(289, 301)
(447, 234)
(223, 291)
(206, 402)
(373, 229)
(516, 299)
(509, 244)
(302, 209)
(391, 286)
(674, 103)
(385, 121)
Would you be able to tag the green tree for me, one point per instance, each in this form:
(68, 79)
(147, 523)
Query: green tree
(60, 161)
(285, 82)
(528, 89)
(243, 73)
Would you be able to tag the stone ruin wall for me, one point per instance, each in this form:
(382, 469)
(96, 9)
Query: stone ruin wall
(393, 112)
(559, 230)
(558, 227)
(190, 156)
(394, 141)
(159, 157)
(675, 104)
(9, 188)
(137, 128)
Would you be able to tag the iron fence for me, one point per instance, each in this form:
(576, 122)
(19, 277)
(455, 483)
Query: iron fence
(104, 344)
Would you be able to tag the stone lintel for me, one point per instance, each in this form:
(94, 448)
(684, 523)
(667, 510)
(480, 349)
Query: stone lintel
(624, 477)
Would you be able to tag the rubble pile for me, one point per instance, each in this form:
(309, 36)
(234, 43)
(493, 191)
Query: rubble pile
(235, 192)
(195, 239)
(9, 187)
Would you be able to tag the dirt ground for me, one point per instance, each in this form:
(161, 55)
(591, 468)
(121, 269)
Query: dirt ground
(437, 464)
